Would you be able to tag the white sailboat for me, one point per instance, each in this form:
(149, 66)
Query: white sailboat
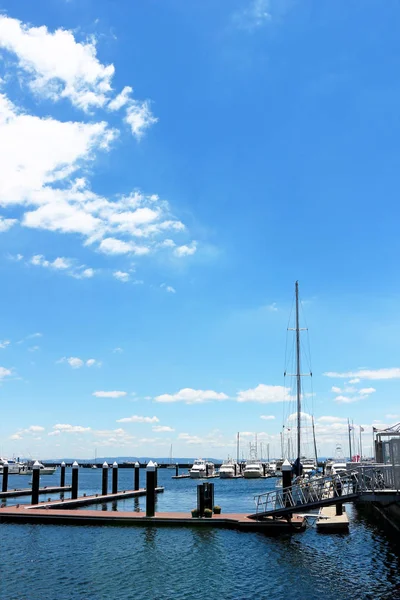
(302, 466)
(170, 465)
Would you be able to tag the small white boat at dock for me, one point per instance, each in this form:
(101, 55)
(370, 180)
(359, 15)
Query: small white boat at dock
(202, 469)
(229, 469)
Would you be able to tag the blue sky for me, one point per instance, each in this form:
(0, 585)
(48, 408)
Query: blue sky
(168, 170)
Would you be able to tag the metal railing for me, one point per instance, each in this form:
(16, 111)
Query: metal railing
(328, 489)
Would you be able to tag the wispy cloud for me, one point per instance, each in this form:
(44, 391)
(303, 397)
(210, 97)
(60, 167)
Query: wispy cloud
(386, 373)
(255, 14)
(191, 396)
(111, 394)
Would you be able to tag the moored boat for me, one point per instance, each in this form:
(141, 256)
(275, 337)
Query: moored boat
(201, 469)
(253, 469)
(27, 469)
(229, 469)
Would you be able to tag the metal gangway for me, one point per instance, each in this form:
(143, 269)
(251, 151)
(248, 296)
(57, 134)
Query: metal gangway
(308, 494)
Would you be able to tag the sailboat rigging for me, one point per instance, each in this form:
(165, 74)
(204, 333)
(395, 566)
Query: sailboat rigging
(297, 467)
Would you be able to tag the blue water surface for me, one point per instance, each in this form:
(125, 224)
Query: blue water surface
(73, 563)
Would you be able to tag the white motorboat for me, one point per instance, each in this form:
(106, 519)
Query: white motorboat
(14, 466)
(229, 469)
(27, 469)
(201, 469)
(253, 469)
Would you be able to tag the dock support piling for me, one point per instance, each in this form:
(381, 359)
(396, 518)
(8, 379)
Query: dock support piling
(104, 480)
(150, 489)
(264, 469)
(339, 509)
(206, 469)
(62, 475)
(286, 479)
(35, 482)
(5, 478)
(115, 478)
(137, 472)
(176, 470)
(156, 475)
(75, 474)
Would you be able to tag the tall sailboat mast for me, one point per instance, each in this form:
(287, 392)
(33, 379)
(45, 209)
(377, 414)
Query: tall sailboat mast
(298, 373)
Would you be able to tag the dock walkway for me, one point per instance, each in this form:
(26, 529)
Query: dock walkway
(87, 500)
(28, 491)
(46, 515)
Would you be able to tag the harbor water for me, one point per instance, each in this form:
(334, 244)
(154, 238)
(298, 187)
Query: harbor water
(46, 562)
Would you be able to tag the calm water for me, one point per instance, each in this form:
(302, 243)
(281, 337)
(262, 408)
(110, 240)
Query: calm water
(68, 563)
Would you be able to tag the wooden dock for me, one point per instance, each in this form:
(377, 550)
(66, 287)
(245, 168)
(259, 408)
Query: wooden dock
(28, 491)
(52, 516)
(329, 522)
(87, 500)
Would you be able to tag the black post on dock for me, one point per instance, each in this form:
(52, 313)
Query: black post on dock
(206, 469)
(156, 475)
(264, 469)
(74, 484)
(137, 472)
(5, 477)
(115, 478)
(35, 482)
(286, 479)
(104, 481)
(62, 475)
(235, 467)
(200, 499)
(176, 470)
(150, 489)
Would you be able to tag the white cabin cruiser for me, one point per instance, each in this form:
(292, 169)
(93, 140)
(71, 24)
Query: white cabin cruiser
(201, 469)
(27, 469)
(253, 469)
(14, 466)
(229, 469)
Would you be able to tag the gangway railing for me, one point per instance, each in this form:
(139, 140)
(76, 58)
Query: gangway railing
(307, 494)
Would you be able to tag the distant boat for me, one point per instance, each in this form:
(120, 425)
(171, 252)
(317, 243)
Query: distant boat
(201, 469)
(253, 469)
(170, 465)
(27, 469)
(14, 466)
(229, 469)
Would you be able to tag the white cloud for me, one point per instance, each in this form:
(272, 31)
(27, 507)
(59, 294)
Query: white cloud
(267, 417)
(35, 428)
(112, 394)
(16, 436)
(256, 14)
(191, 396)
(6, 224)
(355, 380)
(4, 344)
(303, 417)
(138, 419)
(170, 289)
(139, 117)
(122, 276)
(272, 307)
(33, 348)
(392, 416)
(5, 372)
(83, 274)
(117, 350)
(162, 428)
(366, 391)
(44, 157)
(346, 399)
(336, 389)
(42, 55)
(388, 373)
(66, 428)
(265, 394)
(76, 363)
(186, 250)
(328, 419)
(120, 100)
(56, 432)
